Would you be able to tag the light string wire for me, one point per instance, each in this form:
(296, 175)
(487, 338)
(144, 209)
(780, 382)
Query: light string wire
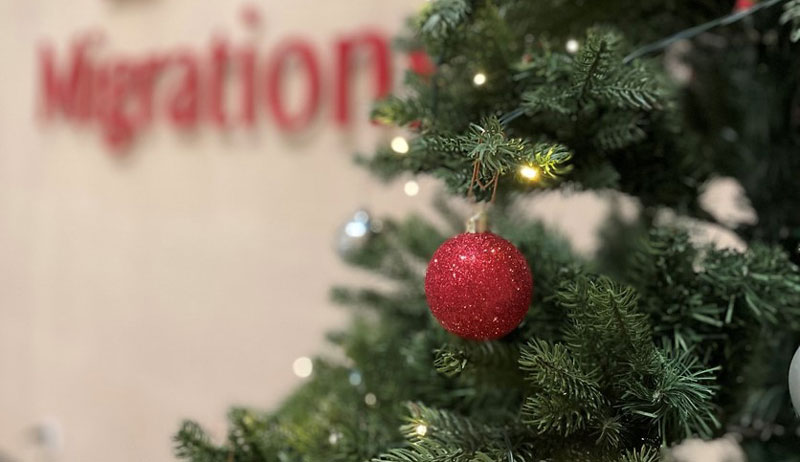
(659, 45)
(699, 29)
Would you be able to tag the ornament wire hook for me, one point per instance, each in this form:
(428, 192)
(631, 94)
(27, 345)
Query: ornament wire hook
(479, 221)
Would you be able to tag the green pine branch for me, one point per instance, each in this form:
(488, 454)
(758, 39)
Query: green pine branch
(677, 396)
(791, 15)
(438, 435)
(550, 368)
(594, 62)
(192, 443)
(440, 18)
(619, 130)
(566, 398)
(630, 87)
(453, 358)
(606, 325)
(550, 99)
(644, 454)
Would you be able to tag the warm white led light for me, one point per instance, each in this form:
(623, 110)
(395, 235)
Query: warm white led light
(528, 172)
(399, 145)
(479, 79)
(421, 429)
(411, 188)
(302, 366)
(572, 46)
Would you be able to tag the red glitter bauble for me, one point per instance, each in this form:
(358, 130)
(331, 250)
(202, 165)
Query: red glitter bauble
(743, 5)
(478, 286)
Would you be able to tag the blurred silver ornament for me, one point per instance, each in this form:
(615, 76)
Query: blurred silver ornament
(794, 381)
(356, 233)
(355, 378)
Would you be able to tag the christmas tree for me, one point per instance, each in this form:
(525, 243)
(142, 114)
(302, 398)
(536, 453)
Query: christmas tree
(617, 356)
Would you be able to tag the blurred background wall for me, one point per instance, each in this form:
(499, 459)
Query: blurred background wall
(187, 271)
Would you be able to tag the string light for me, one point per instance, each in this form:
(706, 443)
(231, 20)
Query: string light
(572, 46)
(302, 367)
(479, 79)
(399, 145)
(421, 430)
(528, 172)
(411, 188)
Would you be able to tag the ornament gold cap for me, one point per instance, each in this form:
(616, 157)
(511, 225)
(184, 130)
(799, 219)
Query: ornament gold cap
(479, 221)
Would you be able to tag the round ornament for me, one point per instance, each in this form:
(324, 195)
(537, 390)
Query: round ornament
(743, 5)
(794, 381)
(478, 286)
(356, 233)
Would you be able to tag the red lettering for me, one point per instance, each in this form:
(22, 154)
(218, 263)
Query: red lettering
(248, 71)
(117, 123)
(184, 103)
(122, 94)
(219, 69)
(274, 84)
(101, 90)
(379, 48)
(145, 77)
(69, 93)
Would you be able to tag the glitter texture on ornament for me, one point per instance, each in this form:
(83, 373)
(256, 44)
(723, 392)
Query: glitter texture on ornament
(478, 286)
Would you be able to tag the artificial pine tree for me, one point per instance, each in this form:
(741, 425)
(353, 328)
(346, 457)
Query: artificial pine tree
(652, 340)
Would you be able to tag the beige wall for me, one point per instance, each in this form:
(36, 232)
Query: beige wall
(188, 275)
(184, 277)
